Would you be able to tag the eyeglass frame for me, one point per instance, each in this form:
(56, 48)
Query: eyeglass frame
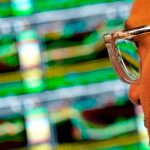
(110, 45)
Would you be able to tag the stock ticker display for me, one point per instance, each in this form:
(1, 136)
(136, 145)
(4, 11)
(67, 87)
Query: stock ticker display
(57, 87)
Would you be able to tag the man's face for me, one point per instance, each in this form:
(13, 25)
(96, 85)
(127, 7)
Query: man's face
(140, 92)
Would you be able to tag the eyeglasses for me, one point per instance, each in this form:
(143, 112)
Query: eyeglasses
(123, 53)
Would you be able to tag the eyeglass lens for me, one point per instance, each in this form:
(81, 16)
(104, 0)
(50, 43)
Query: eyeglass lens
(127, 55)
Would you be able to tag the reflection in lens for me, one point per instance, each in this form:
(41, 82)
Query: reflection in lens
(126, 51)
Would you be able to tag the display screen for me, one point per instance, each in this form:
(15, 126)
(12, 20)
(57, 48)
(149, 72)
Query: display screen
(58, 89)
(56, 55)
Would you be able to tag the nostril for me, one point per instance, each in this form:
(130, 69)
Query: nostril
(138, 102)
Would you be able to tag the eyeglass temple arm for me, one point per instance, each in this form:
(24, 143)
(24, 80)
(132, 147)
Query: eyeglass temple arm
(133, 32)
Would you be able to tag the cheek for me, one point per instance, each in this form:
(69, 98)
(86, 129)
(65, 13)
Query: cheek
(145, 84)
(144, 54)
(145, 102)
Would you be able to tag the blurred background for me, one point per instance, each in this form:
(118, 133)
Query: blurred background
(58, 90)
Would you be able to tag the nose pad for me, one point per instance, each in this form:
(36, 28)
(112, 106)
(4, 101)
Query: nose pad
(134, 94)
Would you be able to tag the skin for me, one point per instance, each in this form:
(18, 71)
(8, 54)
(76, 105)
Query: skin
(139, 93)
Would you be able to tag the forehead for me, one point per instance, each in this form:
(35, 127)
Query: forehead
(140, 14)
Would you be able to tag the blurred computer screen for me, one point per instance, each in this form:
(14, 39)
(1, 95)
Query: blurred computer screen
(57, 86)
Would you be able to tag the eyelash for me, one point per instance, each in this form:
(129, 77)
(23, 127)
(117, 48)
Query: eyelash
(137, 44)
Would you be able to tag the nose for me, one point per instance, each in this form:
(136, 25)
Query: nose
(134, 94)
